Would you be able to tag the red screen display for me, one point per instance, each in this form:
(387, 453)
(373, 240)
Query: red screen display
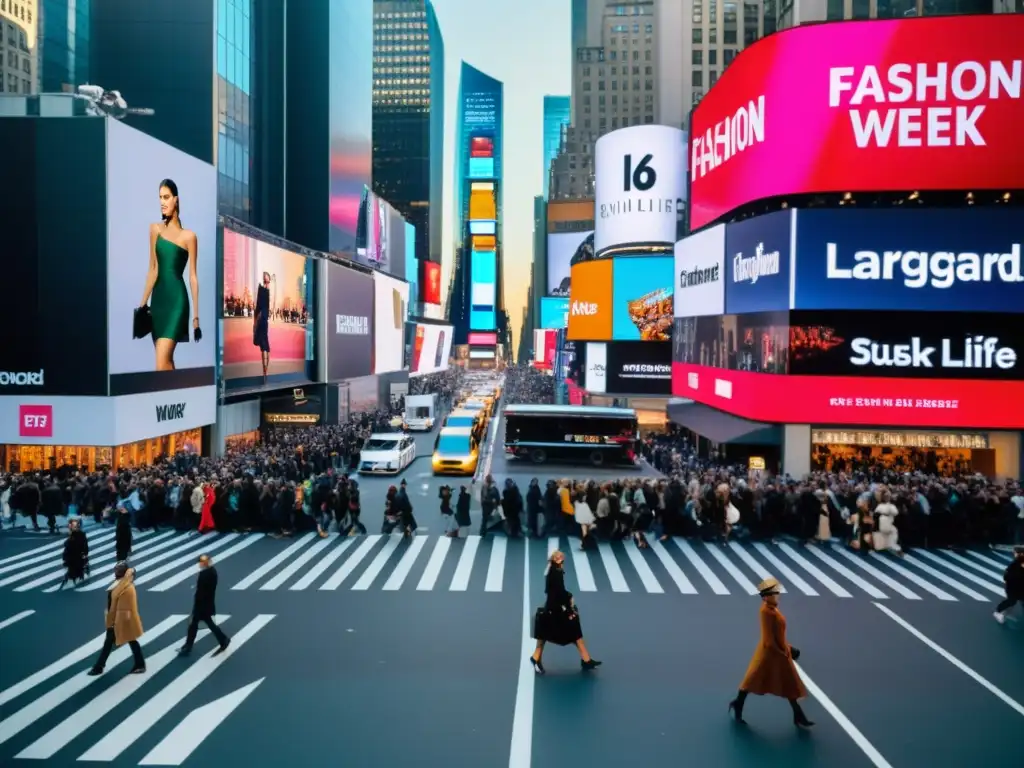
(908, 104)
(483, 339)
(430, 281)
(838, 400)
(480, 146)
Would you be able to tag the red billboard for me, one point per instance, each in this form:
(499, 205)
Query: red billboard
(908, 104)
(430, 280)
(844, 400)
(481, 146)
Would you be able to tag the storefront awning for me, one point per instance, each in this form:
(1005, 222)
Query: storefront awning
(721, 427)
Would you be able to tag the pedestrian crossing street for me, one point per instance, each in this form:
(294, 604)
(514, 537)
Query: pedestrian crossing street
(58, 710)
(430, 563)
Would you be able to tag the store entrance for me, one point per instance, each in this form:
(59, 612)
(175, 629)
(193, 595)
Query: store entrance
(943, 454)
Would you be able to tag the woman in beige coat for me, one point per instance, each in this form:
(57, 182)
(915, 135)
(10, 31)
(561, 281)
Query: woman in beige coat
(124, 625)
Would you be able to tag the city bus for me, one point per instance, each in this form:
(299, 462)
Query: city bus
(544, 433)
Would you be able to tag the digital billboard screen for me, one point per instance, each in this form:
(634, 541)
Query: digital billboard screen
(431, 282)
(590, 301)
(482, 339)
(643, 294)
(432, 347)
(700, 274)
(390, 311)
(381, 239)
(554, 312)
(481, 167)
(482, 228)
(562, 248)
(412, 267)
(903, 104)
(758, 341)
(635, 368)
(482, 204)
(348, 322)
(757, 263)
(483, 319)
(483, 290)
(267, 334)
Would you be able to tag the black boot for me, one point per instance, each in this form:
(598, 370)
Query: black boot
(736, 707)
(799, 718)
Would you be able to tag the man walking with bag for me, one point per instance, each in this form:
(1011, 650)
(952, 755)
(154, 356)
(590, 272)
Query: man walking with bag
(204, 607)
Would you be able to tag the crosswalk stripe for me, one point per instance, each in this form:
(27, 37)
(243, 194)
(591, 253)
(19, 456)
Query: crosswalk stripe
(496, 566)
(93, 563)
(187, 735)
(886, 579)
(373, 571)
(706, 573)
(434, 564)
(273, 562)
(731, 568)
(295, 565)
(45, 552)
(647, 576)
(320, 568)
(937, 574)
(351, 564)
(989, 560)
(460, 580)
(404, 567)
(581, 569)
(15, 619)
(135, 725)
(70, 729)
(145, 551)
(188, 573)
(788, 573)
(842, 570)
(55, 562)
(145, 559)
(187, 557)
(611, 567)
(554, 542)
(994, 575)
(672, 568)
(823, 578)
(14, 724)
(905, 573)
(752, 563)
(959, 571)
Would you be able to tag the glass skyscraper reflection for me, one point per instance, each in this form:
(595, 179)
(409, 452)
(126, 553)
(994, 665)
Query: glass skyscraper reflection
(556, 114)
(234, 121)
(63, 52)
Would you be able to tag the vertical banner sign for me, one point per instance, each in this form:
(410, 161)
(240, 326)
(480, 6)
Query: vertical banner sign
(640, 187)
(596, 380)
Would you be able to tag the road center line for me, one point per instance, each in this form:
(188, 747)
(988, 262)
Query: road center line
(520, 754)
(990, 687)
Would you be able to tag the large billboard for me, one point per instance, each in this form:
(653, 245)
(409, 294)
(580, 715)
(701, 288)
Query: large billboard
(390, 310)
(381, 236)
(700, 274)
(758, 341)
(757, 263)
(412, 266)
(348, 322)
(483, 290)
(267, 335)
(430, 281)
(161, 264)
(431, 348)
(642, 298)
(927, 345)
(562, 247)
(640, 192)
(943, 260)
(627, 368)
(904, 104)
(590, 301)
(554, 312)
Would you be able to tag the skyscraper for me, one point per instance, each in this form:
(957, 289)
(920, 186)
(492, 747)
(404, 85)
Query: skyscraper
(63, 51)
(477, 305)
(556, 115)
(408, 116)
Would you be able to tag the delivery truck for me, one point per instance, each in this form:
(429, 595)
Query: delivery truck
(420, 412)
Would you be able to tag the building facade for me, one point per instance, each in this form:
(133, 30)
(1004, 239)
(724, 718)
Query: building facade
(19, 47)
(791, 13)
(63, 53)
(408, 116)
(477, 306)
(556, 116)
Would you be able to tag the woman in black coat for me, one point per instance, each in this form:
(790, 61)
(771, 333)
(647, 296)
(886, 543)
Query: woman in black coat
(76, 554)
(558, 621)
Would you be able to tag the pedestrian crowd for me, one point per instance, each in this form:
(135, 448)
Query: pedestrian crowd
(525, 384)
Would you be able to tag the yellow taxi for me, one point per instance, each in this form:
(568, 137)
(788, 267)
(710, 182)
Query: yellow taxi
(461, 417)
(475, 404)
(456, 452)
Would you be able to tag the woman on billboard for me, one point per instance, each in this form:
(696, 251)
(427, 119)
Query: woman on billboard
(171, 248)
(261, 321)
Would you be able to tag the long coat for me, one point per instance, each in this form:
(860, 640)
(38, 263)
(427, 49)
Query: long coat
(772, 671)
(204, 605)
(123, 611)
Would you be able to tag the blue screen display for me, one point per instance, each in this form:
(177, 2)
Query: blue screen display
(757, 263)
(554, 312)
(648, 279)
(411, 267)
(481, 227)
(481, 167)
(484, 267)
(482, 320)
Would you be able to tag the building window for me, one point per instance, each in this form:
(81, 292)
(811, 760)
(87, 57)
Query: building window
(697, 58)
(713, 35)
(649, 28)
(729, 54)
(729, 37)
(712, 77)
(712, 56)
(697, 78)
(697, 96)
(698, 35)
(648, 70)
(586, 85)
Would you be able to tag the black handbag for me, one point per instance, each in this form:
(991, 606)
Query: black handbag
(142, 322)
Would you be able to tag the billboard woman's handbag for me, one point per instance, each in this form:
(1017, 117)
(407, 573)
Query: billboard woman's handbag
(142, 322)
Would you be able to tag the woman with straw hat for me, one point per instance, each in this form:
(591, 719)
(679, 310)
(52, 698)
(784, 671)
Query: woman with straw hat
(772, 671)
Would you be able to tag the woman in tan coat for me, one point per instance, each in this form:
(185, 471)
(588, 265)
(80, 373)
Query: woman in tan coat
(772, 671)
(124, 625)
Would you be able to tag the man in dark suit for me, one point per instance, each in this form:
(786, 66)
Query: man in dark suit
(203, 608)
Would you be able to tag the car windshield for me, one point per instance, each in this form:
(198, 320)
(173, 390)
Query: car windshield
(461, 421)
(381, 445)
(473, 406)
(453, 445)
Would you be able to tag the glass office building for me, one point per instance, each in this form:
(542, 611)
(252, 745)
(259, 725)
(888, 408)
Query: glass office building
(556, 114)
(63, 52)
(408, 116)
(234, 108)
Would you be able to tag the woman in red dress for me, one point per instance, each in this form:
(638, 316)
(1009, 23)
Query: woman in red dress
(206, 522)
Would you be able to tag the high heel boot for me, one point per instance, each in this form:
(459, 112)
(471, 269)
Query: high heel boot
(799, 718)
(736, 707)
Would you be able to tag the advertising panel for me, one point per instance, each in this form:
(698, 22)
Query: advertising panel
(904, 104)
(481, 354)
(432, 346)
(412, 266)
(562, 247)
(53, 312)
(643, 298)
(554, 312)
(363, 394)
(757, 260)
(596, 358)
(397, 247)
(381, 240)
(482, 204)
(634, 368)
(758, 341)
(483, 290)
(483, 339)
(939, 260)
(481, 167)
(700, 274)
(431, 282)
(348, 322)
(834, 400)
(906, 345)
(483, 228)
(267, 325)
(640, 193)
(590, 301)
(159, 260)
(106, 421)
(390, 310)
